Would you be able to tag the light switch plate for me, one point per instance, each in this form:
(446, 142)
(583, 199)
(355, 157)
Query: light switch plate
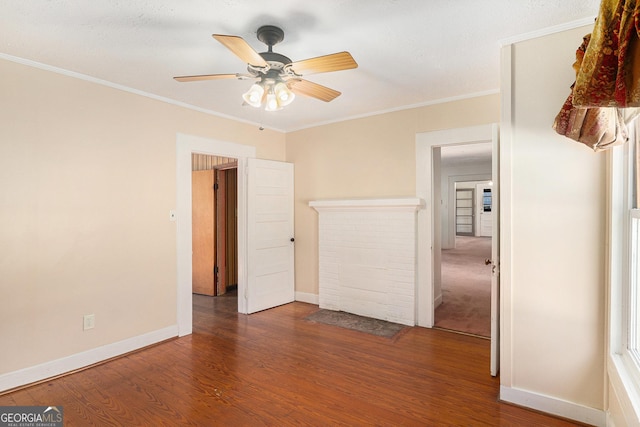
(89, 321)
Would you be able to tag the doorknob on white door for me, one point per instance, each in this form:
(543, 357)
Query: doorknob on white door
(489, 262)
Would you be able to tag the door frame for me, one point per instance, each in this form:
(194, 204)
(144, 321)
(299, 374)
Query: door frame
(185, 145)
(427, 147)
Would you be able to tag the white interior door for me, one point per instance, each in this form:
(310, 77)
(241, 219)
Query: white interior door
(270, 257)
(495, 254)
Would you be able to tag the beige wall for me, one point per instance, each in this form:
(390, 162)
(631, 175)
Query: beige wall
(554, 309)
(87, 179)
(364, 158)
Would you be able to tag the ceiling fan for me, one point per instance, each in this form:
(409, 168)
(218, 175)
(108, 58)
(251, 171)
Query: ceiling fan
(278, 78)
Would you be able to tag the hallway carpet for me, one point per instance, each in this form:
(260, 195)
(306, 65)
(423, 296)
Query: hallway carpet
(466, 287)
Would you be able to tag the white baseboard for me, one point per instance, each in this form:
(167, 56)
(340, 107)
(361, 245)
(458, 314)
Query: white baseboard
(551, 405)
(86, 358)
(437, 301)
(308, 298)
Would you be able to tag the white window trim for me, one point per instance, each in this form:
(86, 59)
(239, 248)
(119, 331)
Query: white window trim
(624, 373)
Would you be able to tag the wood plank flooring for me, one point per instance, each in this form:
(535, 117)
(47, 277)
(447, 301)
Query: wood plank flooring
(274, 368)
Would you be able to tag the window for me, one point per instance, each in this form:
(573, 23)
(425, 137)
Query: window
(633, 323)
(486, 200)
(624, 309)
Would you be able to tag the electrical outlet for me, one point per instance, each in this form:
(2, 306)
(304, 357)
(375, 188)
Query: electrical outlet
(89, 321)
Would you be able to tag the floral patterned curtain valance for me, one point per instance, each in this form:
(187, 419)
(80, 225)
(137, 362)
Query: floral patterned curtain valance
(607, 79)
(610, 69)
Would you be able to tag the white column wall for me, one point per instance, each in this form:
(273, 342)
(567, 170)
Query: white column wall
(554, 246)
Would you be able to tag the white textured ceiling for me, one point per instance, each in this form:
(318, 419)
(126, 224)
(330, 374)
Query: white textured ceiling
(410, 52)
(467, 154)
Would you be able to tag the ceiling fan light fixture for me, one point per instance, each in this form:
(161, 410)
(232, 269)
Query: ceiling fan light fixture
(273, 70)
(254, 95)
(284, 94)
(272, 103)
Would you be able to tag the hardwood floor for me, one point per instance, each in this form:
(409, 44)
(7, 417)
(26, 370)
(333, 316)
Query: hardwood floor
(275, 368)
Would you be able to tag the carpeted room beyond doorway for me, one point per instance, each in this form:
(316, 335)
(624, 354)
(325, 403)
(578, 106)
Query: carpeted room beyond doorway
(466, 287)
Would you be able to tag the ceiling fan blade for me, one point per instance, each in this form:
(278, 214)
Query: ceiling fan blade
(322, 64)
(305, 87)
(207, 77)
(241, 49)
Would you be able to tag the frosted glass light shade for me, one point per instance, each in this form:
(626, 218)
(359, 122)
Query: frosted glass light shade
(272, 102)
(283, 94)
(254, 95)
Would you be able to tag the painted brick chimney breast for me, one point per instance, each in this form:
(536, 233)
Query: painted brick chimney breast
(367, 257)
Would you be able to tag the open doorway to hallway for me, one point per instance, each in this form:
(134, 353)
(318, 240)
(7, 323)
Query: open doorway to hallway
(464, 302)
(433, 187)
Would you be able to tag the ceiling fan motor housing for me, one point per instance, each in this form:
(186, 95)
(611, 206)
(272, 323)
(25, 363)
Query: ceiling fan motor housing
(275, 60)
(270, 35)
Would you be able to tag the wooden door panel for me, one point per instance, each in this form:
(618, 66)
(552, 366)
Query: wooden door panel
(203, 232)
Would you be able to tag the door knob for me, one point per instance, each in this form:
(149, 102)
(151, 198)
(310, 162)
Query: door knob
(292, 239)
(487, 261)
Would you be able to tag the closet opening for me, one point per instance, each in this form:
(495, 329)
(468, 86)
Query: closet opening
(214, 184)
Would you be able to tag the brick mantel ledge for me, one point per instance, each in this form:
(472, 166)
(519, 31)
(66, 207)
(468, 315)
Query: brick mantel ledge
(410, 203)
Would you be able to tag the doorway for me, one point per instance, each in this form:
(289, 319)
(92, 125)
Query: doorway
(214, 224)
(186, 145)
(431, 221)
(265, 227)
(464, 304)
